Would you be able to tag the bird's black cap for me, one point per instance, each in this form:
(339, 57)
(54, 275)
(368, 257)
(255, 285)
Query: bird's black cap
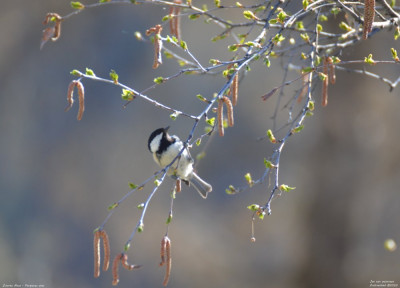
(166, 140)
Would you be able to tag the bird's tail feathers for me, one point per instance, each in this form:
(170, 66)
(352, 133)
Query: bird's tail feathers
(200, 185)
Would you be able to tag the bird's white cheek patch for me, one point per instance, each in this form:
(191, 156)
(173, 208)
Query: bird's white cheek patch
(155, 143)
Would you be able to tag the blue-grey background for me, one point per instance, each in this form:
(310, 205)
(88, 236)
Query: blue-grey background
(58, 175)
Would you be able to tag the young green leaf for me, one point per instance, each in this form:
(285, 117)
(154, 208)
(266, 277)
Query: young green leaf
(75, 73)
(228, 72)
(307, 70)
(231, 190)
(335, 59)
(260, 9)
(268, 164)
(305, 37)
(286, 188)
(267, 61)
(317, 60)
(323, 18)
(132, 186)
(335, 11)
(394, 54)
(202, 98)
(183, 63)
(214, 62)
(299, 25)
(77, 5)
(127, 95)
(249, 179)
(233, 47)
(140, 228)
(396, 33)
(311, 105)
(112, 206)
(278, 38)
(169, 219)
(211, 121)
(271, 136)
(218, 37)
(194, 16)
(281, 17)
(183, 45)
(344, 26)
(369, 60)
(174, 115)
(174, 39)
(167, 17)
(90, 72)
(260, 213)
(297, 129)
(249, 15)
(114, 76)
(168, 55)
(322, 76)
(158, 80)
(253, 207)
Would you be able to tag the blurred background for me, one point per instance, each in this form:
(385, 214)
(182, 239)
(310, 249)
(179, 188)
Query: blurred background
(58, 175)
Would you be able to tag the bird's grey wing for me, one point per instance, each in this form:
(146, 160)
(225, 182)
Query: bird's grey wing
(189, 157)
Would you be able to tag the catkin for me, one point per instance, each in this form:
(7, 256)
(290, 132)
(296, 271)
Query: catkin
(168, 260)
(106, 248)
(369, 15)
(126, 265)
(220, 116)
(304, 89)
(115, 267)
(235, 89)
(70, 95)
(229, 109)
(81, 94)
(96, 246)
(157, 44)
(325, 84)
(174, 23)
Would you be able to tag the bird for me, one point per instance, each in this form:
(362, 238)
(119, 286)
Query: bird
(165, 148)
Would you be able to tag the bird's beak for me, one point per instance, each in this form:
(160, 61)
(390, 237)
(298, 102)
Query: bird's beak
(166, 129)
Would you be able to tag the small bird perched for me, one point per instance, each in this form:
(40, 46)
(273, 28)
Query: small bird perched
(165, 148)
